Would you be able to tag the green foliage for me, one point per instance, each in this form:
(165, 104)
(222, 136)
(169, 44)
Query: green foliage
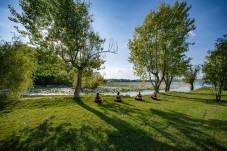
(93, 81)
(191, 75)
(179, 121)
(18, 65)
(52, 80)
(52, 70)
(49, 64)
(63, 27)
(215, 67)
(159, 44)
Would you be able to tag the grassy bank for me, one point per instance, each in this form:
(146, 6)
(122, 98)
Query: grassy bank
(178, 121)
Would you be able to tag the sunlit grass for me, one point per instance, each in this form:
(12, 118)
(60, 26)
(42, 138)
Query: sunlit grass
(177, 121)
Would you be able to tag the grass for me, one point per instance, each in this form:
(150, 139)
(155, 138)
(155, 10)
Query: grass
(178, 121)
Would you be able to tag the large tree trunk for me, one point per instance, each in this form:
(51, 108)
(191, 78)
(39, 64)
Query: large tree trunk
(156, 88)
(78, 85)
(218, 92)
(191, 86)
(157, 84)
(218, 97)
(168, 82)
(225, 87)
(167, 87)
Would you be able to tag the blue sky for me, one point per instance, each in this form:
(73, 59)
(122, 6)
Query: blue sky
(117, 19)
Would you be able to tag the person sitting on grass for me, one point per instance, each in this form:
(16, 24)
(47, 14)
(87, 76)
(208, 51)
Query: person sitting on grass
(97, 99)
(118, 97)
(154, 96)
(139, 97)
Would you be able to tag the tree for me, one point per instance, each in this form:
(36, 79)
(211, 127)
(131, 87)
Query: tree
(215, 67)
(63, 27)
(93, 80)
(225, 86)
(51, 69)
(176, 70)
(18, 65)
(158, 45)
(191, 75)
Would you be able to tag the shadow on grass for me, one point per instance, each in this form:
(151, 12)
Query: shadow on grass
(212, 94)
(7, 105)
(3, 104)
(124, 136)
(128, 137)
(195, 130)
(48, 136)
(205, 98)
(118, 108)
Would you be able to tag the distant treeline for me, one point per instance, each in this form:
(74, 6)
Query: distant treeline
(138, 80)
(124, 80)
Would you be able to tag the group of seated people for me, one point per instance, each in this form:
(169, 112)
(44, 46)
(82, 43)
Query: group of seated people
(118, 97)
(139, 96)
(98, 99)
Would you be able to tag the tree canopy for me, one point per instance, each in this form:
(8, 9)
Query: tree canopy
(52, 70)
(158, 45)
(18, 65)
(63, 27)
(191, 75)
(215, 67)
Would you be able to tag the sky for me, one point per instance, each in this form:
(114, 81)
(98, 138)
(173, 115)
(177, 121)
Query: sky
(117, 19)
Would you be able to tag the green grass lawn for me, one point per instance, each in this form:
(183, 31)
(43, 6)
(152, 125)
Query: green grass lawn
(178, 121)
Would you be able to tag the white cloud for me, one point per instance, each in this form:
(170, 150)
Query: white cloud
(118, 73)
(191, 33)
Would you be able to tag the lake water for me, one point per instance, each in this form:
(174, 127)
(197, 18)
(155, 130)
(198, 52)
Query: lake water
(46, 91)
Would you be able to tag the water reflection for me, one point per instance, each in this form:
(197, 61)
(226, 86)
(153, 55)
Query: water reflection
(42, 91)
(148, 92)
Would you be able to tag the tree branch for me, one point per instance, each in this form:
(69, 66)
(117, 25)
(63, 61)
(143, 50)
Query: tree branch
(113, 48)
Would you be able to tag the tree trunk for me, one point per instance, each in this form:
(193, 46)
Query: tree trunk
(168, 82)
(225, 87)
(78, 85)
(156, 84)
(191, 86)
(218, 92)
(156, 88)
(218, 97)
(167, 88)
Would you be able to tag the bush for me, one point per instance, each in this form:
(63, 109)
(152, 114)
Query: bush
(18, 65)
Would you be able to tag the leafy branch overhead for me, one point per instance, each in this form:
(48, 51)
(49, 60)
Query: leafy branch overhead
(64, 27)
(18, 65)
(215, 67)
(158, 46)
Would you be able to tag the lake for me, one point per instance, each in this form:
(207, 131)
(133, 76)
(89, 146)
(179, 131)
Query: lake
(125, 88)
